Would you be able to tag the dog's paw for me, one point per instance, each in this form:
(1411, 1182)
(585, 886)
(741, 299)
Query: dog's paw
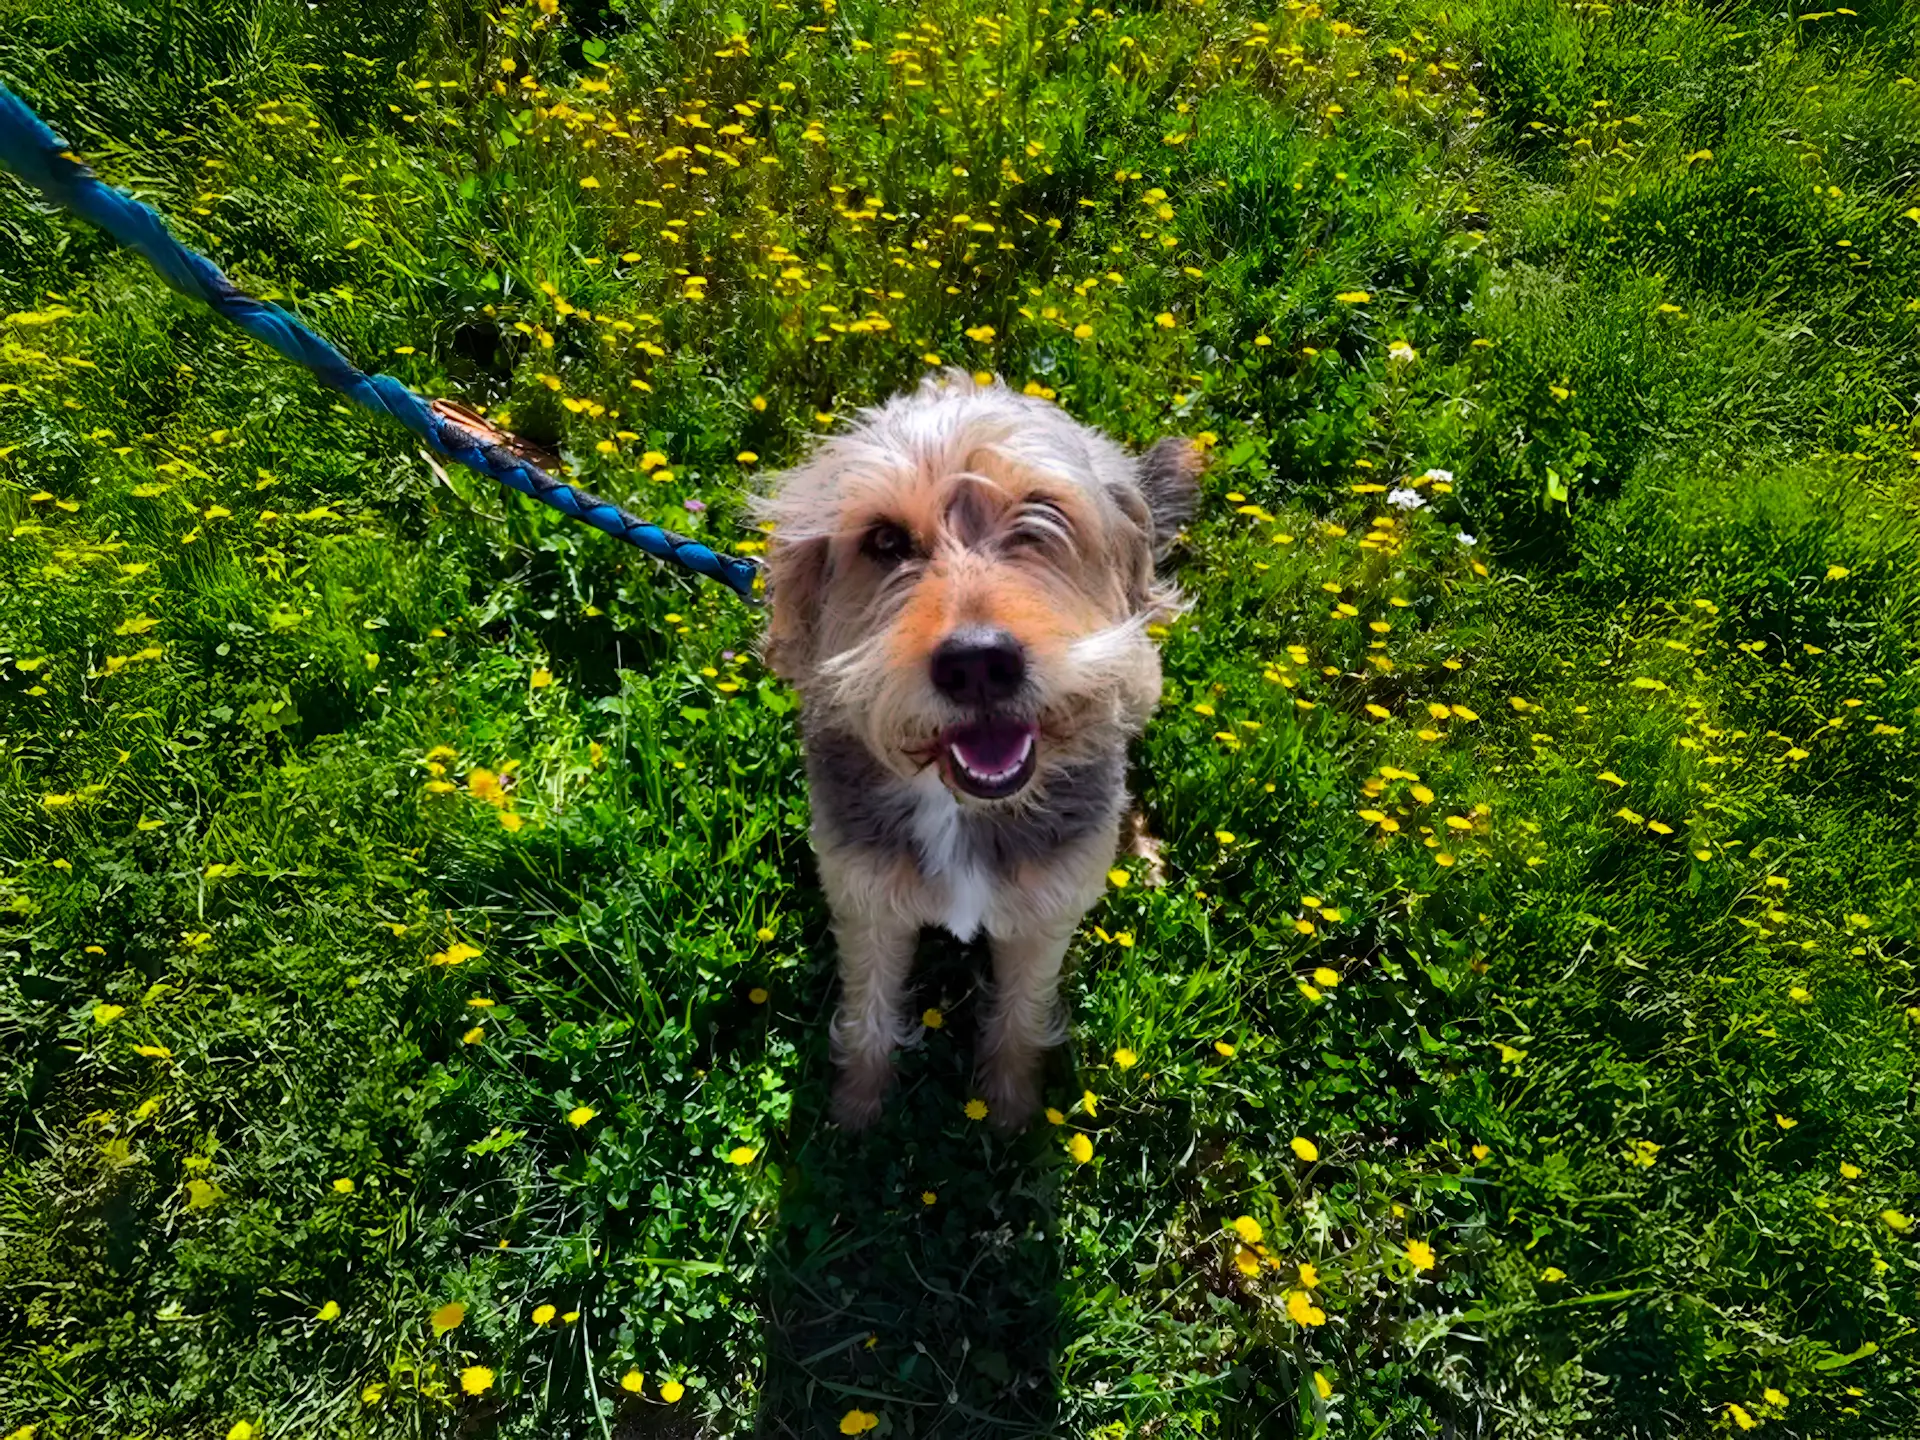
(1013, 1097)
(859, 1095)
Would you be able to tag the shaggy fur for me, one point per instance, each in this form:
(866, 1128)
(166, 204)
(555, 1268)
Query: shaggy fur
(960, 587)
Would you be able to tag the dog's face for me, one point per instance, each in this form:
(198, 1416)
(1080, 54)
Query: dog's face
(964, 581)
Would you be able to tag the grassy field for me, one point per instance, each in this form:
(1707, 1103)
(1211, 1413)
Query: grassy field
(412, 978)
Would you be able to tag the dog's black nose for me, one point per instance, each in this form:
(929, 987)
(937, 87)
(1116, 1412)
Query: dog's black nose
(979, 666)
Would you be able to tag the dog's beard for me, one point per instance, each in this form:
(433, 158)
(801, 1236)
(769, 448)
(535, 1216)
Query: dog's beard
(1083, 704)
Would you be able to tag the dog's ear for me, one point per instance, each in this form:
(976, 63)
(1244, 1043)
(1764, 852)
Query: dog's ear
(796, 581)
(1170, 484)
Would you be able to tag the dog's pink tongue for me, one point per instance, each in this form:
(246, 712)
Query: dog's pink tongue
(992, 746)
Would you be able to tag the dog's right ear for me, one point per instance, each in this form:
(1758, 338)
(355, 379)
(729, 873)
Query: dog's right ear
(1170, 482)
(796, 581)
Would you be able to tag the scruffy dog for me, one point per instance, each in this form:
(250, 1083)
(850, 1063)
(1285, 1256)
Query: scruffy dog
(960, 588)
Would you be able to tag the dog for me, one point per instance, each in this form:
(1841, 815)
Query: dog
(960, 588)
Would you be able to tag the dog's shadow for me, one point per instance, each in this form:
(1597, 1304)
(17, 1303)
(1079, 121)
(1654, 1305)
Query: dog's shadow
(915, 1268)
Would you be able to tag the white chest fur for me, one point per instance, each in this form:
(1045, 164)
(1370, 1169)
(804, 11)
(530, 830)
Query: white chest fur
(947, 860)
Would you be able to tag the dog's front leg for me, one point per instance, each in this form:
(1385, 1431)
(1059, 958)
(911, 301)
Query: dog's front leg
(1023, 1022)
(876, 952)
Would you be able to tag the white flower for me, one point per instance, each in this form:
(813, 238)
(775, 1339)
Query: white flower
(1400, 351)
(1466, 539)
(1405, 499)
(1445, 477)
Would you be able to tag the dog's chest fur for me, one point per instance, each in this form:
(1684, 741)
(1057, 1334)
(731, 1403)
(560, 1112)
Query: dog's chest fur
(962, 854)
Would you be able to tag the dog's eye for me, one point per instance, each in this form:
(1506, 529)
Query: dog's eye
(887, 543)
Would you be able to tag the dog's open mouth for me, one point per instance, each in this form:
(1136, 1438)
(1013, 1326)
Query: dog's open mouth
(989, 759)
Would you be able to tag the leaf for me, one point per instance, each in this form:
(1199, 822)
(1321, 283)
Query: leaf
(1556, 487)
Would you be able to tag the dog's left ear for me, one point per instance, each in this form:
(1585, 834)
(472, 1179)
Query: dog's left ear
(1161, 499)
(1170, 484)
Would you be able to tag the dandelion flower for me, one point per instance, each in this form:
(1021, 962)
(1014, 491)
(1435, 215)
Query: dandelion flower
(1420, 1253)
(1225, 1049)
(976, 1109)
(1309, 1276)
(328, 1311)
(343, 1186)
(932, 1018)
(580, 1115)
(1304, 1149)
(671, 1391)
(1849, 1170)
(1248, 1229)
(242, 1430)
(1322, 1386)
(1125, 1058)
(1325, 977)
(1080, 1148)
(633, 1382)
(1304, 1312)
(450, 1316)
(741, 1155)
(858, 1422)
(1741, 1417)
(476, 1380)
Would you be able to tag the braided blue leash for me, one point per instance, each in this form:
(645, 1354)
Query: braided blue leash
(41, 158)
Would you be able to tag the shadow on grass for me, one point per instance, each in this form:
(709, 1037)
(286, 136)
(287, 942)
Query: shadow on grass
(915, 1269)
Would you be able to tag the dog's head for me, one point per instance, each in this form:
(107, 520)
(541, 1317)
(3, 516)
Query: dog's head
(965, 579)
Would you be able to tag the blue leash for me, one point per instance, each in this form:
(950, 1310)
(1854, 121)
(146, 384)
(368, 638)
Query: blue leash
(42, 159)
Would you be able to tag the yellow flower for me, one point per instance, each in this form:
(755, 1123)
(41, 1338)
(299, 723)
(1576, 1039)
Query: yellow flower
(1165, 320)
(107, 1014)
(241, 1431)
(1309, 1275)
(1304, 1312)
(1322, 1386)
(511, 822)
(1799, 993)
(543, 1314)
(153, 1052)
(757, 995)
(1245, 1261)
(476, 1380)
(1353, 297)
(1119, 879)
(1849, 1170)
(450, 1316)
(542, 678)
(1481, 1152)
(1225, 1050)
(1774, 1397)
(1054, 1117)
(981, 333)
(343, 1185)
(1305, 1149)
(858, 1422)
(928, 1197)
(741, 1155)
(976, 1109)
(1838, 572)
(932, 1018)
(580, 1115)
(474, 1036)
(671, 1391)
(747, 457)
(1225, 837)
(485, 785)
(1309, 991)
(328, 1311)
(633, 1382)
(763, 934)
(1248, 1229)
(1553, 1274)
(1421, 1254)
(1741, 1417)
(1326, 978)
(1080, 1148)
(1785, 1122)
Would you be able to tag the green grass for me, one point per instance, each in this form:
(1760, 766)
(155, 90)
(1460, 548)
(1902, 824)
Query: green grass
(1610, 831)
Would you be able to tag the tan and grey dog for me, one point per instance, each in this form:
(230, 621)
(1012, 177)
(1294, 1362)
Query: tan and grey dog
(961, 586)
